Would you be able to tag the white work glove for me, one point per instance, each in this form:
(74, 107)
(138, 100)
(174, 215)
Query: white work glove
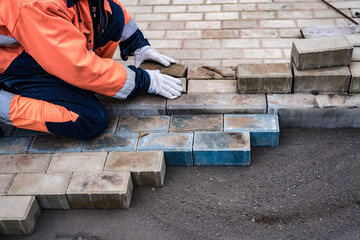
(164, 85)
(149, 53)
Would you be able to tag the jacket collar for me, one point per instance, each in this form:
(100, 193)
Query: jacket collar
(71, 3)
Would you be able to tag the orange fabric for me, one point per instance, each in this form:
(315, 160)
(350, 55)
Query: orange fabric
(32, 114)
(108, 50)
(51, 33)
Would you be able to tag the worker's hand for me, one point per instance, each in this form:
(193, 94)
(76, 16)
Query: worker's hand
(149, 53)
(164, 85)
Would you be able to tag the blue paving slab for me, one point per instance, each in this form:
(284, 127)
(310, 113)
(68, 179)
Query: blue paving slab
(197, 123)
(222, 149)
(177, 147)
(264, 128)
(54, 143)
(12, 145)
(143, 124)
(125, 142)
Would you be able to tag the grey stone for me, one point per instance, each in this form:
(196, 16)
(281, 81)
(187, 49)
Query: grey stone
(49, 188)
(54, 143)
(356, 55)
(147, 168)
(323, 80)
(212, 86)
(111, 142)
(5, 181)
(141, 105)
(12, 145)
(210, 72)
(354, 39)
(355, 77)
(176, 70)
(100, 190)
(18, 215)
(189, 104)
(183, 85)
(22, 163)
(264, 78)
(321, 52)
(320, 111)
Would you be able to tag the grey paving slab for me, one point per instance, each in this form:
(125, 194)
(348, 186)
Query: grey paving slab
(320, 111)
(189, 104)
(147, 168)
(5, 181)
(111, 142)
(53, 143)
(112, 124)
(264, 78)
(24, 163)
(183, 85)
(355, 77)
(356, 55)
(14, 144)
(196, 123)
(321, 52)
(18, 215)
(324, 80)
(100, 190)
(176, 70)
(212, 86)
(143, 124)
(211, 72)
(77, 162)
(49, 188)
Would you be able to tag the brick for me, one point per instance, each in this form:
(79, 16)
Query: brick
(241, 43)
(309, 6)
(196, 123)
(290, 33)
(166, 43)
(189, 104)
(177, 147)
(203, 25)
(7, 130)
(139, 9)
(355, 77)
(154, 2)
(152, 34)
(165, 25)
(345, 4)
(151, 17)
(18, 215)
(176, 70)
(77, 162)
(14, 144)
(222, 149)
(209, 72)
(49, 188)
(220, 1)
(259, 33)
(239, 7)
(183, 54)
(204, 8)
(202, 43)
(143, 124)
(221, 34)
(274, 6)
(321, 52)
(100, 190)
(169, 9)
(294, 14)
(235, 62)
(141, 105)
(212, 86)
(186, 16)
(183, 85)
(112, 142)
(5, 181)
(356, 55)
(202, 62)
(187, 2)
(240, 24)
(183, 34)
(315, 22)
(326, 13)
(354, 39)
(52, 143)
(147, 168)
(262, 53)
(264, 128)
(264, 78)
(258, 15)
(320, 111)
(221, 53)
(323, 80)
(277, 24)
(221, 15)
(27, 133)
(24, 163)
(277, 43)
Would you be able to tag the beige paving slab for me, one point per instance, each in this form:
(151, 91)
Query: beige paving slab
(147, 168)
(5, 181)
(21, 163)
(212, 86)
(49, 188)
(100, 190)
(355, 77)
(77, 162)
(18, 215)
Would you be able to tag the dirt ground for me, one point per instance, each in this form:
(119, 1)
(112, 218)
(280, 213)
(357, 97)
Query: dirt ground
(307, 188)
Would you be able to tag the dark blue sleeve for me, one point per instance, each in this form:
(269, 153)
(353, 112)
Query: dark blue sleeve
(142, 81)
(130, 45)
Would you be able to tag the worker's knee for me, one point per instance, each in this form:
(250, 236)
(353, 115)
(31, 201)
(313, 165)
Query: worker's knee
(92, 124)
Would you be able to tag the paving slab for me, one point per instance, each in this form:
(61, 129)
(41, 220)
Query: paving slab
(100, 190)
(196, 123)
(24, 163)
(53, 143)
(211, 72)
(147, 168)
(321, 52)
(324, 80)
(5, 181)
(141, 105)
(7, 130)
(355, 77)
(49, 188)
(190, 104)
(264, 128)
(183, 85)
(143, 124)
(356, 55)
(176, 70)
(177, 147)
(18, 215)
(222, 149)
(77, 162)
(11, 145)
(212, 86)
(320, 111)
(112, 124)
(111, 142)
(264, 78)
(354, 39)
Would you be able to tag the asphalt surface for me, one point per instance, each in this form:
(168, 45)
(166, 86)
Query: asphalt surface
(307, 188)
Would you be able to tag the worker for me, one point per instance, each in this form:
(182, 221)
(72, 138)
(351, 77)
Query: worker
(55, 54)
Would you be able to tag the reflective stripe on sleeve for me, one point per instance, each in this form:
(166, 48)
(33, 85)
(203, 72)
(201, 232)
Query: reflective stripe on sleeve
(5, 102)
(128, 86)
(129, 30)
